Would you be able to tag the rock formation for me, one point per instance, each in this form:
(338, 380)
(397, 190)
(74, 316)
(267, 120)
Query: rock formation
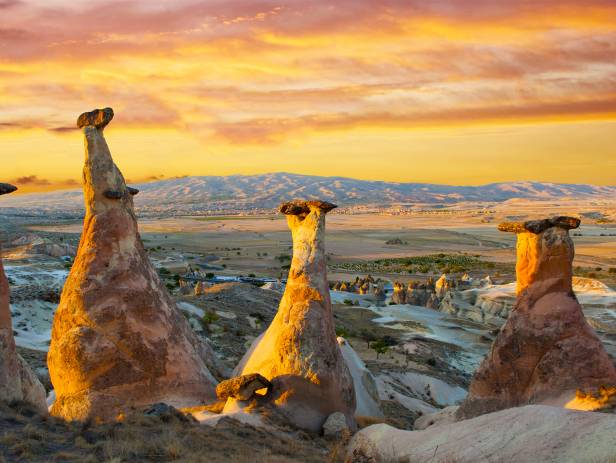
(419, 293)
(299, 353)
(399, 294)
(546, 350)
(242, 387)
(118, 340)
(442, 285)
(534, 433)
(366, 391)
(17, 381)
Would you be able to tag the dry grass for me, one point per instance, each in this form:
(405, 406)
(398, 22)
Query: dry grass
(28, 437)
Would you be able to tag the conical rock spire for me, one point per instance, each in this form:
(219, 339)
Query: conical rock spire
(17, 381)
(546, 349)
(118, 340)
(299, 352)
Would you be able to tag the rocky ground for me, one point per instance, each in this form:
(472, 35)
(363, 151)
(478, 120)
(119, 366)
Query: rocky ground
(28, 437)
(421, 359)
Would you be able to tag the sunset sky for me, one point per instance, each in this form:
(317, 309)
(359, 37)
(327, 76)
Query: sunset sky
(462, 92)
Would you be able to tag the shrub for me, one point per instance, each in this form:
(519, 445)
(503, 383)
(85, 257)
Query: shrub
(341, 331)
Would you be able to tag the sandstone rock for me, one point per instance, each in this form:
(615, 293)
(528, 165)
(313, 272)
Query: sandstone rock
(118, 341)
(98, 118)
(530, 434)
(546, 350)
(17, 381)
(446, 415)
(399, 294)
(335, 426)
(379, 291)
(442, 285)
(298, 353)
(366, 391)
(242, 387)
(419, 294)
(433, 302)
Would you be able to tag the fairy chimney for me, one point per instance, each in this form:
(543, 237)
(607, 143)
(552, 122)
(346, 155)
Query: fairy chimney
(118, 340)
(17, 381)
(546, 350)
(299, 353)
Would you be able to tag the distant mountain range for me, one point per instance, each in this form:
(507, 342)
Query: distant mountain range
(238, 193)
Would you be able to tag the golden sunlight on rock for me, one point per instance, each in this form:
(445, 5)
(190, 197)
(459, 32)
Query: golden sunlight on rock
(118, 341)
(546, 349)
(299, 352)
(587, 401)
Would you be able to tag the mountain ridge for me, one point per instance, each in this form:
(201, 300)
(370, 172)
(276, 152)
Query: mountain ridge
(236, 193)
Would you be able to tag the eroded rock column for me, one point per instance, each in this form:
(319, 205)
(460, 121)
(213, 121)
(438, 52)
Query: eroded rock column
(299, 353)
(118, 341)
(546, 350)
(17, 381)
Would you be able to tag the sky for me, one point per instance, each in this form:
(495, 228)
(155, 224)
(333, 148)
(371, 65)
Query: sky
(461, 92)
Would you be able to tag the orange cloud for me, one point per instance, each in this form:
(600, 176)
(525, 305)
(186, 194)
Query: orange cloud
(261, 72)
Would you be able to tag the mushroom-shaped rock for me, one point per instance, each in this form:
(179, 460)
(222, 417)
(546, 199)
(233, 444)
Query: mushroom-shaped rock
(298, 352)
(17, 381)
(242, 387)
(98, 118)
(546, 350)
(118, 340)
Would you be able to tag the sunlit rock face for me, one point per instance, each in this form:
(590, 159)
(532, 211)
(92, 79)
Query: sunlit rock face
(399, 294)
(17, 381)
(118, 341)
(546, 350)
(299, 353)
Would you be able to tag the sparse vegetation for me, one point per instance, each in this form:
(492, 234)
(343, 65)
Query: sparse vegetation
(208, 318)
(28, 437)
(435, 263)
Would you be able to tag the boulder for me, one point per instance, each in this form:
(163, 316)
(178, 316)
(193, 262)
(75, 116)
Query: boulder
(17, 380)
(530, 434)
(118, 340)
(242, 387)
(335, 426)
(298, 352)
(546, 350)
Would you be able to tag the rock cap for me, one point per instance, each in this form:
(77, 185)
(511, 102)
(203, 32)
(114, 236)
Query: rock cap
(98, 118)
(6, 188)
(302, 207)
(539, 226)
